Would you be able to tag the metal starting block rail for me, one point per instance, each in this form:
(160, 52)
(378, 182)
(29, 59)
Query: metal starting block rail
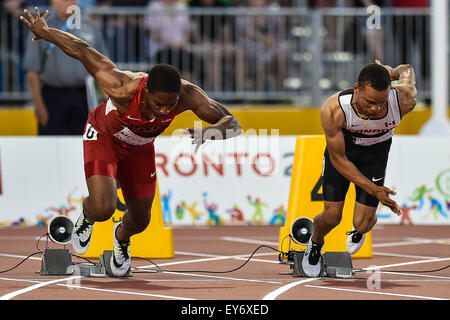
(101, 269)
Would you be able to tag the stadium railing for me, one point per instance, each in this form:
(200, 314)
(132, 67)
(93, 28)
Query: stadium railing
(272, 55)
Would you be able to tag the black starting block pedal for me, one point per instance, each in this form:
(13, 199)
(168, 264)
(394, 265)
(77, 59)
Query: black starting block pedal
(334, 265)
(56, 262)
(338, 264)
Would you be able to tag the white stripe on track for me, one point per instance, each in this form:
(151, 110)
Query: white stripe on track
(253, 241)
(21, 280)
(444, 278)
(272, 295)
(13, 294)
(76, 286)
(220, 277)
(402, 255)
(213, 258)
(410, 241)
(15, 238)
(376, 292)
(126, 292)
(18, 256)
(217, 255)
(404, 264)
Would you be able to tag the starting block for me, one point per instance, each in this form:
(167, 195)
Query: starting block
(56, 262)
(334, 265)
(101, 269)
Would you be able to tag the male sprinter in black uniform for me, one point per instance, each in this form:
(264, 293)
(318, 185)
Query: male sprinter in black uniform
(359, 124)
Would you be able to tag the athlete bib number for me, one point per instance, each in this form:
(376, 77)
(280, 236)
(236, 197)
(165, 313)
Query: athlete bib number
(90, 133)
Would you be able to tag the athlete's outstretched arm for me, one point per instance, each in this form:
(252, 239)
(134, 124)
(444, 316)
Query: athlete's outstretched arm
(333, 121)
(407, 88)
(112, 80)
(223, 124)
(406, 85)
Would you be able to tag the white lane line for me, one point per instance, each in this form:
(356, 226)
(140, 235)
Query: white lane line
(214, 280)
(186, 253)
(353, 280)
(190, 280)
(20, 238)
(404, 264)
(410, 241)
(126, 292)
(244, 259)
(417, 280)
(259, 260)
(217, 255)
(247, 240)
(429, 240)
(21, 280)
(274, 294)
(13, 294)
(375, 292)
(397, 243)
(417, 275)
(402, 255)
(76, 286)
(183, 262)
(220, 277)
(18, 256)
(213, 258)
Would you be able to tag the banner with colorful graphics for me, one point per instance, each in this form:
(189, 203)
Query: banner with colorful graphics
(244, 180)
(237, 181)
(419, 172)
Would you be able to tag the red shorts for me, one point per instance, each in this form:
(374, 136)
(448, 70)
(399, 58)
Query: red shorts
(132, 166)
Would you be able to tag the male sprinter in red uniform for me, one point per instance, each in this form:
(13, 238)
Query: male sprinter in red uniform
(119, 135)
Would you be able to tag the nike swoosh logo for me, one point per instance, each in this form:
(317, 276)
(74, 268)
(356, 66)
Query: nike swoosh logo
(153, 174)
(116, 264)
(167, 120)
(131, 118)
(375, 180)
(85, 243)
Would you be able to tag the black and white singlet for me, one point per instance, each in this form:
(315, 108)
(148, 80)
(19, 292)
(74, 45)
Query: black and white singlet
(367, 145)
(368, 132)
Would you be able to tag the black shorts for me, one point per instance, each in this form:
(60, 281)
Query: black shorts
(371, 161)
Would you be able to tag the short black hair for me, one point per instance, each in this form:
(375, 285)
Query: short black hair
(374, 75)
(165, 78)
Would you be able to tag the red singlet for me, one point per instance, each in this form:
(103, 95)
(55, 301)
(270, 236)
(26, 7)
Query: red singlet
(121, 145)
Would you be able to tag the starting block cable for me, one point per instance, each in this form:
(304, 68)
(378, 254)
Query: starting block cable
(160, 270)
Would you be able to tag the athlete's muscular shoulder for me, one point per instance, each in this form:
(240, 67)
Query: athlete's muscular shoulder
(333, 120)
(331, 115)
(128, 84)
(191, 96)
